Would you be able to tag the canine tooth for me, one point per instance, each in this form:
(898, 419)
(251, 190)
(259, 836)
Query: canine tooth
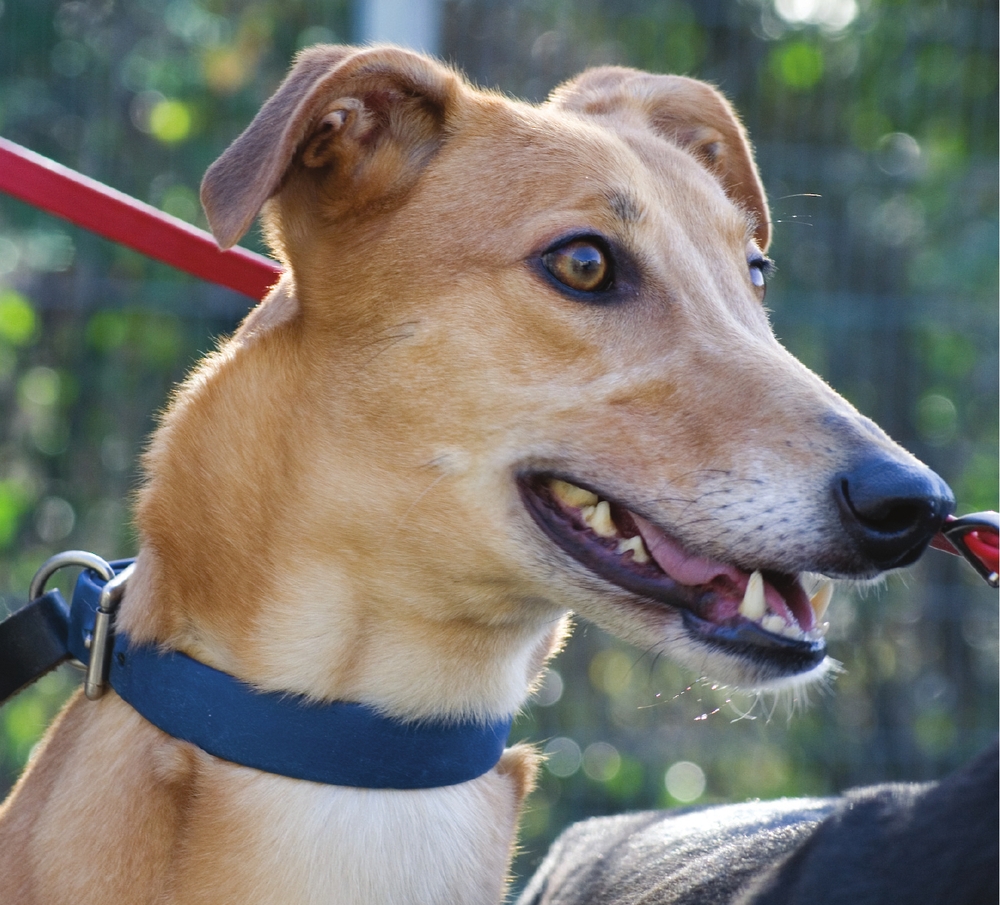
(753, 605)
(773, 623)
(638, 548)
(572, 495)
(821, 599)
(598, 519)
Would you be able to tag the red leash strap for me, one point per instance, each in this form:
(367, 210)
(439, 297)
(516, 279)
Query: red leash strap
(977, 538)
(86, 202)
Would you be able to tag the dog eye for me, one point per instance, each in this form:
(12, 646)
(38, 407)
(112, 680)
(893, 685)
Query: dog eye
(760, 269)
(580, 264)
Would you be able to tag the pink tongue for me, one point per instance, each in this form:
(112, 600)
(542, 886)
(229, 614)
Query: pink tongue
(688, 569)
(796, 602)
(680, 565)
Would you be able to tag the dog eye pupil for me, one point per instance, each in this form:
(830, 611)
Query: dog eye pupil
(580, 265)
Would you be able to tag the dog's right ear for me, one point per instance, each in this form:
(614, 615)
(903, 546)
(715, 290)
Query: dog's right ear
(688, 113)
(373, 116)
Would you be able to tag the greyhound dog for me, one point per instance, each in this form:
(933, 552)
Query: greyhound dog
(518, 364)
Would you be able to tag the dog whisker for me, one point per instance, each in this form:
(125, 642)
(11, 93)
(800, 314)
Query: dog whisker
(419, 499)
(388, 339)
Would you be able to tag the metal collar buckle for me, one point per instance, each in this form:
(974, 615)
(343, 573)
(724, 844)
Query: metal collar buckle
(102, 640)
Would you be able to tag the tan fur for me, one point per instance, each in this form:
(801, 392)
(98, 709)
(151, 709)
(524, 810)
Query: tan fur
(330, 504)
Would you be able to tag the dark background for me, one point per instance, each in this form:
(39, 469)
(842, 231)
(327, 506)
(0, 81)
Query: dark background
(875, 124)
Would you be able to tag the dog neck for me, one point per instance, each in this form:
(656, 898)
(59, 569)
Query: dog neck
(228, 575)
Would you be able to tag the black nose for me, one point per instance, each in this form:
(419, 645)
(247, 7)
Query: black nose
(891, 509)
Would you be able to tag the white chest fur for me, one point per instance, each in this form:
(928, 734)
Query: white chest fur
(273, 840)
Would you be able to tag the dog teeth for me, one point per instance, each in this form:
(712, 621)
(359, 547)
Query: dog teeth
(753, 605)
(596, 515)
(572, 495)
(821, 600)
(598, 519)
(638, 548)
(773, 623)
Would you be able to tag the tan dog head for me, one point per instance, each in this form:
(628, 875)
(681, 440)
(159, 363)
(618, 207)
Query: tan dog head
(519, 364)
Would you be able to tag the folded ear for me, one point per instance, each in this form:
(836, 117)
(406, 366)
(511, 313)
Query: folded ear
(686, 112)
(371, 115)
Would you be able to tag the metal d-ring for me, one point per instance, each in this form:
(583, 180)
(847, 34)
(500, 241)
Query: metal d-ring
(78, 558)
(102, 639)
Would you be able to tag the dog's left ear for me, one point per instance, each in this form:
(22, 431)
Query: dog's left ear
(370, 118)
(686, 112)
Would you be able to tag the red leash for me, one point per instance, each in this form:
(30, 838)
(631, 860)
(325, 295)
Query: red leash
(86, 202)
(977, 538)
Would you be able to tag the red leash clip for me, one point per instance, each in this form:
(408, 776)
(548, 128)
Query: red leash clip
(977, 538)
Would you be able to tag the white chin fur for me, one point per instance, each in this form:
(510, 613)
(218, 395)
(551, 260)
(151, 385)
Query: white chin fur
(822, 674)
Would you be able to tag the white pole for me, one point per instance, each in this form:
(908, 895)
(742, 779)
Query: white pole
(411, 23)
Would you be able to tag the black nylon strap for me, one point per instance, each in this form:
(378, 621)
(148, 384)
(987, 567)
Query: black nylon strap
(33, 641)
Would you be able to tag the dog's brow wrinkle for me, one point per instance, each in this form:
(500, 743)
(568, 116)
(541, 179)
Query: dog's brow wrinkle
(625, 206)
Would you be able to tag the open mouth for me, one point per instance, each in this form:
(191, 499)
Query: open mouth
(757, 613)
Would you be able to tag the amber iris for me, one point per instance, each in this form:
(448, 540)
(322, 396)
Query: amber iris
(580, 265)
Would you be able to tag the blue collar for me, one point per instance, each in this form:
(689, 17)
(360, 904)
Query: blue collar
(337, 743)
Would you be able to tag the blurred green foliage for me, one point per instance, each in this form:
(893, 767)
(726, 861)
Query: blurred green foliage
(875, 123)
